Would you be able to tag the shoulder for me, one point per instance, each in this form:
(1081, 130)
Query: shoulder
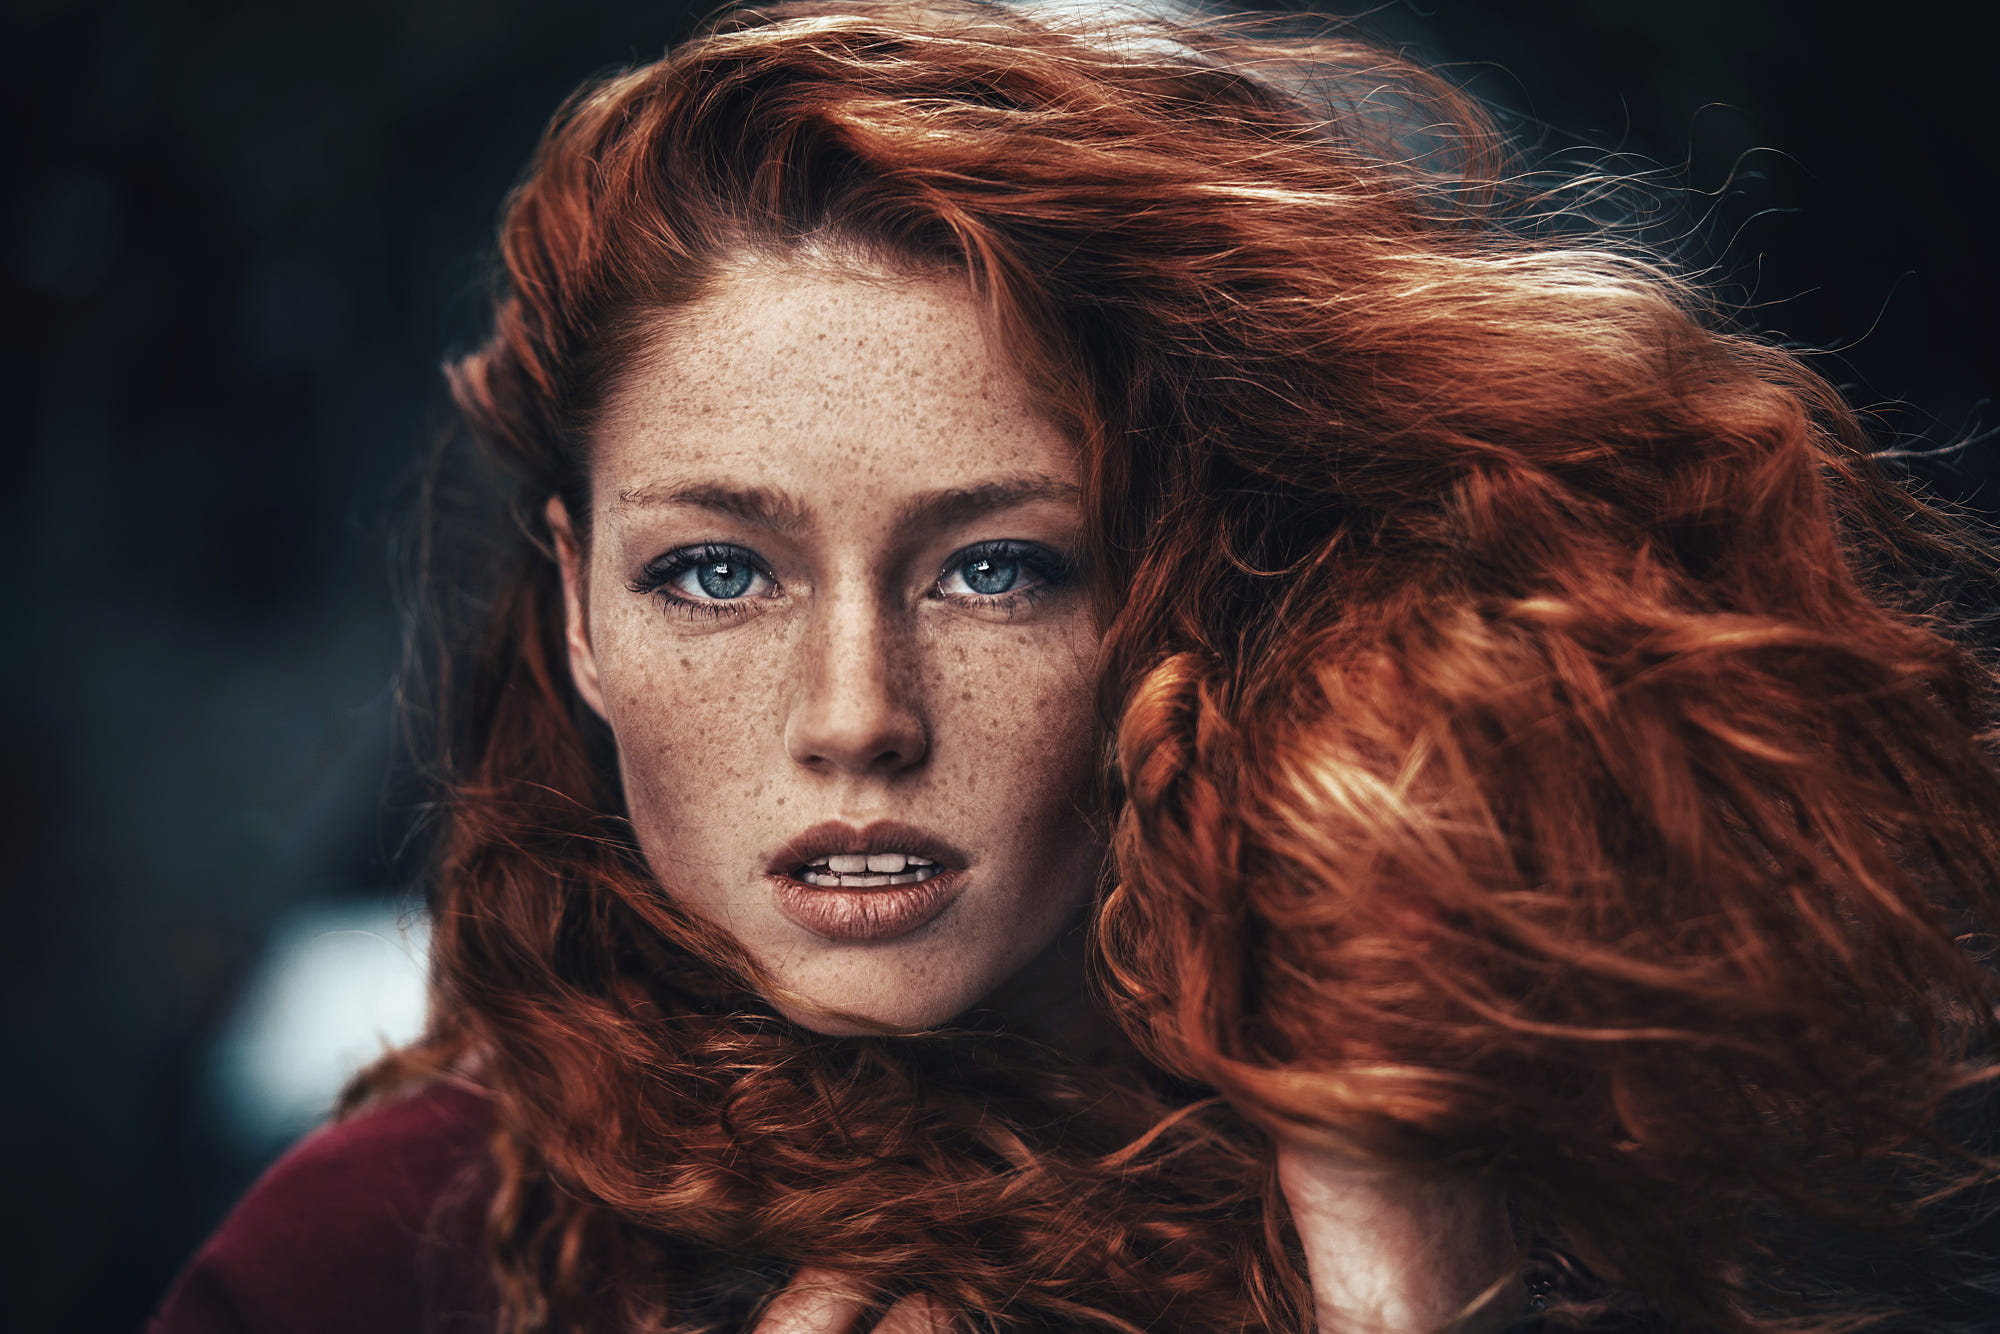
(373, 1223)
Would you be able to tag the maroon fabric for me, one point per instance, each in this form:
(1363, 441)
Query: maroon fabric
(371, 1226)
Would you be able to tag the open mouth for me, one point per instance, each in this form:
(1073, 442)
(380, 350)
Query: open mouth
(878, 882)
(866, 870)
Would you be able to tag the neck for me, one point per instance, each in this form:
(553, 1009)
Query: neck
(1050, 1000)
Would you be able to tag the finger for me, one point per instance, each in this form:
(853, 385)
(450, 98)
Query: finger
(918, 1313)
(816, 1301)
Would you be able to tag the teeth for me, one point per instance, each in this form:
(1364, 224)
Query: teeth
(826, 878)
(879, 863)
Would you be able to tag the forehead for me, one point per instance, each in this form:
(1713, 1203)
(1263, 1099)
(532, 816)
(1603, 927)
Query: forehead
(802, 376)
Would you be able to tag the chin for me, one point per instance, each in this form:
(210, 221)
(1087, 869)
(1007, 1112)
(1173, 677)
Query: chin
(852, 1012)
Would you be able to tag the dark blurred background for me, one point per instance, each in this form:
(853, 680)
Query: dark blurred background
(239, 238)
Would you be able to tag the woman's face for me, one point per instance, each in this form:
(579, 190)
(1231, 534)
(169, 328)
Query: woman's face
(830, 613)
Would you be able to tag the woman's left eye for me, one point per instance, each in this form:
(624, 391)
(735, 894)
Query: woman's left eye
(1002, 571)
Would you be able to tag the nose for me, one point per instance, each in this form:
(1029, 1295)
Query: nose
(857, 710)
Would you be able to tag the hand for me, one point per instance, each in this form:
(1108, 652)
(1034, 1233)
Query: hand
(824, 1301)
(1392, 1253)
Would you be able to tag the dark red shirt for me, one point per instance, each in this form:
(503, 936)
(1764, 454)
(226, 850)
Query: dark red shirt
(371, 1226)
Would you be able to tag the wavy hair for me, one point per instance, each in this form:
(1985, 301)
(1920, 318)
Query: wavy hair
(1530, 757)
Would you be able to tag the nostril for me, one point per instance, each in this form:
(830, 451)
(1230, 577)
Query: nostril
(885, 738)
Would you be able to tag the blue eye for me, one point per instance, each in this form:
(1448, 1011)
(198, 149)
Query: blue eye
(988, 575)
(724, 578)
(1002, 573)
(707, 580)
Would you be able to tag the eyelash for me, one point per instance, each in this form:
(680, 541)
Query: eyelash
(657, 579)
(1048, 570)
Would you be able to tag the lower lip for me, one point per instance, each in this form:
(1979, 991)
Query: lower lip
(851, 915)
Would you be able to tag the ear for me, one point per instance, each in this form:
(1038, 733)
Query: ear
(576, 605)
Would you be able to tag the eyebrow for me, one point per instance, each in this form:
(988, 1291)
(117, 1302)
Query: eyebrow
(766, 507)
(757, 505)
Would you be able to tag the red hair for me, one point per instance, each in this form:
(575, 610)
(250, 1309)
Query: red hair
(1523, 768)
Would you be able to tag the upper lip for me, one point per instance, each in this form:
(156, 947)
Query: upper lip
(833, 837)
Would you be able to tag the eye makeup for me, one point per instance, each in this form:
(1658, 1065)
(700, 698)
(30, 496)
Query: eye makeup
(707, 580)
(713, 579)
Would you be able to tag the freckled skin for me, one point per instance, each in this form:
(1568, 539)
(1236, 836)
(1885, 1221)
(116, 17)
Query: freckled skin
(860, 681)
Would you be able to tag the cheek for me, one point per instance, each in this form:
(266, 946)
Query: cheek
(1022, 707)
(692, 716)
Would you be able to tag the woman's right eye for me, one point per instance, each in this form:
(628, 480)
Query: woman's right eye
(708, 580)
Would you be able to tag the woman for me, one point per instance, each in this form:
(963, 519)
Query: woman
(1120, 703)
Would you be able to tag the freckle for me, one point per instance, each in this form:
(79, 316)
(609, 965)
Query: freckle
(687, 664)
